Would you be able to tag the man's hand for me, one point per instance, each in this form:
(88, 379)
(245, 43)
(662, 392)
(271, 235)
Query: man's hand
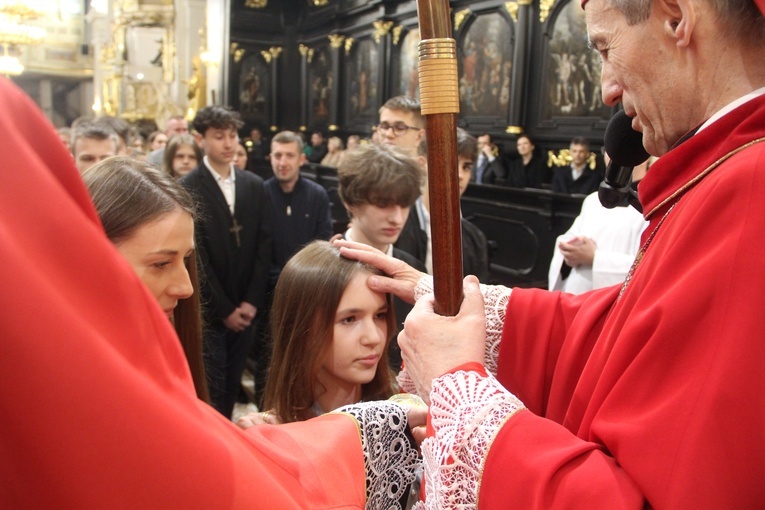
(432, 345)
(579, 251)
(403, 277)
(241, 318)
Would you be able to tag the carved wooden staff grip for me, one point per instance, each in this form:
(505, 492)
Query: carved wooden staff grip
(439, 96)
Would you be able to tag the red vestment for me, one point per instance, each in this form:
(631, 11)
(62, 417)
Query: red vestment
(98, 407)
(657, 397)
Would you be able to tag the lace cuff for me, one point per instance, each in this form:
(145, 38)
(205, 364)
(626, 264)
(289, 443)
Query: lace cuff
(467, 410)
(495, 299)
(391, 461)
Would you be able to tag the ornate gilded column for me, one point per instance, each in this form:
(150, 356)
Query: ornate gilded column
(382, 29)
(306, 55)
(520, 11)
(336, 43)
(271, 56)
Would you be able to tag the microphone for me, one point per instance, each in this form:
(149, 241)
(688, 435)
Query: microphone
(624, 146)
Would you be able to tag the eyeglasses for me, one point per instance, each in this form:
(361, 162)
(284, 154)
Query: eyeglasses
(399, 128)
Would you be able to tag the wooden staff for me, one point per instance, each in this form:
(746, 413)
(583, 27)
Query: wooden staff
(439, 96)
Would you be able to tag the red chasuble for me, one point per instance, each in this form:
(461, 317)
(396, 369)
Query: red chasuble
(97, 407)
(655, 398)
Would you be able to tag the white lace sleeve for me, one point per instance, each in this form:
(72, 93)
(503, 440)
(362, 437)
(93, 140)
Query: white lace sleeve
(495, 299)
(467, 410)
(391, 461)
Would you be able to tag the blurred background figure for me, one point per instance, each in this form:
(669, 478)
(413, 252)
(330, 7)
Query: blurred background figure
(335, 152)
(181, 155)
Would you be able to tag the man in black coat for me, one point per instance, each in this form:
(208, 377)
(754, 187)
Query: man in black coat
(233, 236)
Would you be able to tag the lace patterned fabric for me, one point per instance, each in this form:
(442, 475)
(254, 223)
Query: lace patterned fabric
(390, 460)
(495, 299)
(467, 410)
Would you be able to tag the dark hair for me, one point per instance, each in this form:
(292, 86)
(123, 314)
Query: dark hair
(94, 131)
(306, 298)
(580, 140)
(380, 175)
(405, 104)
(467, 145)
(128, 194)
(217, 117)
(119, 126)
(175, 143)
(289, 137)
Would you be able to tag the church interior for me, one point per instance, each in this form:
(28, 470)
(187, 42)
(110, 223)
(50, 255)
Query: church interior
(328, 65)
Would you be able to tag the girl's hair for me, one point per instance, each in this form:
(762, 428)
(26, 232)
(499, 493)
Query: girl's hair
(175, 143)
(302, 325)
(128, 194)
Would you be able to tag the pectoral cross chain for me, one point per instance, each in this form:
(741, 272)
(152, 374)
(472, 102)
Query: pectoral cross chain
(235, 229)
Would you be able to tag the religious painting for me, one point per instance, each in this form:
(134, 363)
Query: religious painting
(409, 78)
(486, 63)
(572, 73)
(320, 83)
(254, 89)
(362, 82)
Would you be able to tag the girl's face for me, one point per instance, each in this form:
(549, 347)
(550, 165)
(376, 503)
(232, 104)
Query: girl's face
(240, 157)
(157, 251)
(359, 336)
(159, 141)
(185, 160)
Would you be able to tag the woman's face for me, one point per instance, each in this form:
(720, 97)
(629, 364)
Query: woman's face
(185, 160)
(359, 336)
(240, 157)
(159, 141)
(157, 251)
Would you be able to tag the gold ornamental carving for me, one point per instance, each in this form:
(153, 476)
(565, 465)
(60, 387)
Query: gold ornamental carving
(563, 158)
(319, 3)
(271, 54)
(459, 18)
(544, 9)
(512, 10)
(514, 130)
(306, 52)
(336, 40)
(236, 52)
(397, 34)
(348, 44)
(381, 29)
(256, 4)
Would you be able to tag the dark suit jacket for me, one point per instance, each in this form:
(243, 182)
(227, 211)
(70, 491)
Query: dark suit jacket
(588, 182)
(475, 260)
(533, 175)
(495, 172)
(231, 274)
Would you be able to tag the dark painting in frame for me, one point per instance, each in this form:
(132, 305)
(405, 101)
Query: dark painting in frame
(253, 91)
(320, 84)
(572, 72)
(408, 83)
(362, 83)
(485, 67)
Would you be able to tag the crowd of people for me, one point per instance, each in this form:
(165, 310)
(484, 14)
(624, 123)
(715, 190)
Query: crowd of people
(139, 279)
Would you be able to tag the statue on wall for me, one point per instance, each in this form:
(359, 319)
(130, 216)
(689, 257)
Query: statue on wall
(197, 87)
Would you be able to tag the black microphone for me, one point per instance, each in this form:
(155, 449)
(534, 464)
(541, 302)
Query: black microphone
(624, 146)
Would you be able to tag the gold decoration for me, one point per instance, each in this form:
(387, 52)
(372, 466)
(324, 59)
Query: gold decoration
(303, 128)
(237, 52)
(397, 34)
(514, 130)
(381, 29)
(563, 158)
(544, 9)
(333, 127)
(336, 40)
(319, 3)
(512, 9)
(274, 128)
(272, 53)
(439, 91)
(306, 52)
(459, 18)
(348, 44)
(255, 4)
